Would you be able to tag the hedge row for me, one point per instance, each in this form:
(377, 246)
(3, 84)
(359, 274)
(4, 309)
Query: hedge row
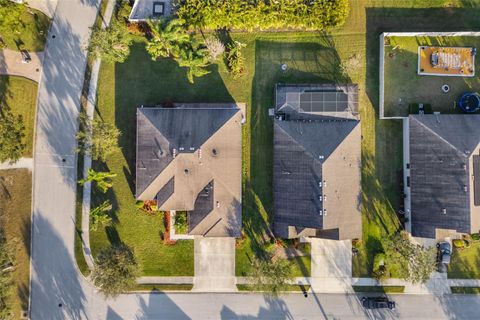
(264, 14)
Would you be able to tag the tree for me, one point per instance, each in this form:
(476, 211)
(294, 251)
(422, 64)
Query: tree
(412, 262)
(12, 135)
(195, 60)
(111, 44)
(116, 270)
(99, 215)
(235, 59)
(168, 38)
(103, 140)
(5, 277)
(11, 16)
(270, 275)
(102, 179)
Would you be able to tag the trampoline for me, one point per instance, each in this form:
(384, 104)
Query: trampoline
(469, 102)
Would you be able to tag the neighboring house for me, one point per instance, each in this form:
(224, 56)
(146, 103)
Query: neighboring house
(317, 161)
(143, 10)
(189, 158)
(444, 181)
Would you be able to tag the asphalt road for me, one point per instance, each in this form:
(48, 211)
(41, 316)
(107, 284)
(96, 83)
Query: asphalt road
(58, 291)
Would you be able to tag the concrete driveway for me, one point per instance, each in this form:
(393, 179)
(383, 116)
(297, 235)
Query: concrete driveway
(214, 264)
(331, 265)
(11, 64)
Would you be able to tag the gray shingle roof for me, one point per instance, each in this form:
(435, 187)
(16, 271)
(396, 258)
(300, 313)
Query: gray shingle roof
(183, 150)
(309, 149)
(441, 148)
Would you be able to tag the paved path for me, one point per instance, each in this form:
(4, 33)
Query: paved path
(58, 291)
(22, 163)
(214, 264)
(11, 64)
(87, 159)
(46, 6)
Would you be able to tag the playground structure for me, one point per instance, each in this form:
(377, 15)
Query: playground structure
(446, 61)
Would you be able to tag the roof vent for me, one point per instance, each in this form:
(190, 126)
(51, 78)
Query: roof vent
(192, 149)
(214, 152)
(181, 148)
(465, 188)
(320, 198)
(321, 157)
(174, 152)
(444, 211)
(324, 183)
(186, 171)
(320, 184)
(320, 212)
(324, 212)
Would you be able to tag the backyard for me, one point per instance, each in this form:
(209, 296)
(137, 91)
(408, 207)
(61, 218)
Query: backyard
(310, 57)
(404, 87)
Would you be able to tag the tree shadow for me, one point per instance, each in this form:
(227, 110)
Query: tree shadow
(155, 83)
(56, 291)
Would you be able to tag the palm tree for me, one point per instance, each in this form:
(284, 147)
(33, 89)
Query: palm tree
(99, 215)
(168, 38)
(196, 60)
(102, 179)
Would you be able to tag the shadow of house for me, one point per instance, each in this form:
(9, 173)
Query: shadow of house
(141, 81)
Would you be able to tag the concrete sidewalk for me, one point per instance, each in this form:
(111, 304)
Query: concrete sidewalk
(22, 163)
(11, 64)
(46, 6)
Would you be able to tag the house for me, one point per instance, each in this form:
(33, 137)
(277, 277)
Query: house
(189, 158)
(143, 10)
(317, 161)
(443, 187)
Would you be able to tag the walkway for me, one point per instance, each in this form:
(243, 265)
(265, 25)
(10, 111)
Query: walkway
(46, 6)
(11, 64)
(22, 163)
(59, 291)
(87, 159)
(214, 265)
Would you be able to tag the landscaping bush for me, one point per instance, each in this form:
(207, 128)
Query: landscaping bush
(264, 14)
(459, 244)
(180, 223)
(475, 237)
(235, 59)
(215, 48)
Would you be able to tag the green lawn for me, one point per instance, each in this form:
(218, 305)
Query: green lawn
(379, 289)
(465, 263)
(311, 57)
(403, 86)
(15, 214)
(34, 34)
(20, 95)
(465, 290)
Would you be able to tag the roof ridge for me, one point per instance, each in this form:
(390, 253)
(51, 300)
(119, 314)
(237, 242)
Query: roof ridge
(440, 137)
(333, 151)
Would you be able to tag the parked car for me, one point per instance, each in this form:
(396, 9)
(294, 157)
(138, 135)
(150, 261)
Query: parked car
(377, 303)
(444, 255)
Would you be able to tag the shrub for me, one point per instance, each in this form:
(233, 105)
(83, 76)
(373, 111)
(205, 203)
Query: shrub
(235, 59)
(475, 237)
(459, 244)
(139, 204)
(264, 14)
(180, 223)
